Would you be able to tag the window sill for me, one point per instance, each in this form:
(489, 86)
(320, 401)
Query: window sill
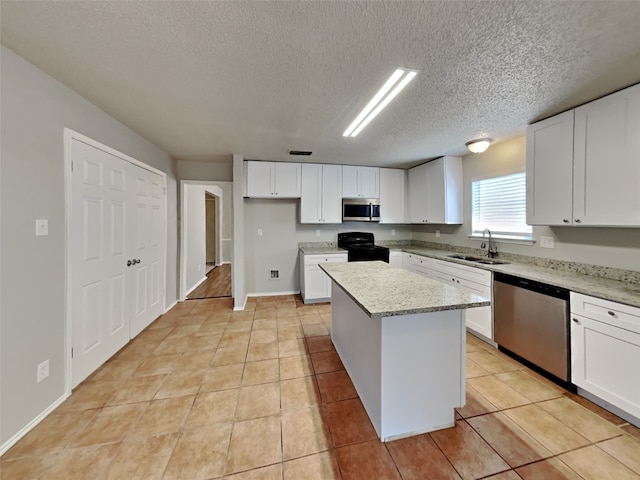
(498, 239)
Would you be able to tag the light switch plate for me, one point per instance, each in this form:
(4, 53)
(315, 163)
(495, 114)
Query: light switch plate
(259, 232)
(42, 227)
(393, 231)
(437, 233)
(546, 242)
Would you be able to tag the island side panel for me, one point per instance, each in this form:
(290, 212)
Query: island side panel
(357, 339)
(423, 372)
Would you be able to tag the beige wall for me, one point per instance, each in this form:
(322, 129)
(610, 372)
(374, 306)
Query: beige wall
(612, 247)
(277, 249)
(35, 110)
(208, 171)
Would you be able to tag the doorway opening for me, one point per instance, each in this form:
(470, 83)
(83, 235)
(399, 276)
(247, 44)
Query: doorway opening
(206, 245)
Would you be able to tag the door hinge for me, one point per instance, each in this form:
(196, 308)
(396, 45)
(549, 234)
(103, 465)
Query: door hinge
(71, 352)
(71, 166)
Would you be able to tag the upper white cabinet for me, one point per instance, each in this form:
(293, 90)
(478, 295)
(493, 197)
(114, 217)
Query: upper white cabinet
(393, 195)
(550, 171)
(272, 179)
(321, 199)
(360, 182)
(592, 154)
(435, 192)
(607, 160)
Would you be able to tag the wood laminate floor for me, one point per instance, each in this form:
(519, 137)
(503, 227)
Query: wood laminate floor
(208, 393)
(217, 284)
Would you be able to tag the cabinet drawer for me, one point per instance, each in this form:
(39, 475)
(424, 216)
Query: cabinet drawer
(477, 275)
(419, 261)
(331, 258)
(463, 284)
(612, 313)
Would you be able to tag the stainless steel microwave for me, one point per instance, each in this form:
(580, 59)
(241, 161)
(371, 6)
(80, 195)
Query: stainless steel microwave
(360, 210)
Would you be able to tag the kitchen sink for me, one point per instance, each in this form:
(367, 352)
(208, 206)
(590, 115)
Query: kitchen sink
(482, 260)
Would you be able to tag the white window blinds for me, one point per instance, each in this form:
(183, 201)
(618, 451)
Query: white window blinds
(499, 204)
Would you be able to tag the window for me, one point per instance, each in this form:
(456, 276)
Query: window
(499, 204)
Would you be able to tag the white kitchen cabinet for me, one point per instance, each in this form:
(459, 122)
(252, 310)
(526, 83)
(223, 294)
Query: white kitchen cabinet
(395, 258)
(583, 166)
(360, 182)
(605, 351)
(472, 280)
(407, 261)
(272, 179)
(321, 199)
(606, 189)
(422, 265)
(435, 192)
(393, 195)
(417, 264)
(315, 285)
(550, 171)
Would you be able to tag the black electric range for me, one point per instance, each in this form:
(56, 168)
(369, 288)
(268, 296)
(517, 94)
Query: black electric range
(360, 247)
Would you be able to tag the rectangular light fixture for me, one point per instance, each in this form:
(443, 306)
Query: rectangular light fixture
(392, 87)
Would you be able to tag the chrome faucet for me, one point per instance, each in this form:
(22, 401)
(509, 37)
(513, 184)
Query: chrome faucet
(492, 250)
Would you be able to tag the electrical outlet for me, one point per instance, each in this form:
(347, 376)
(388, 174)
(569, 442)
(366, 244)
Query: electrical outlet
(317, 233)
(546, 242)
(437, 233)
(42, 227)
(42, 371)
(393, 231)
(274, 274)
(259, 232)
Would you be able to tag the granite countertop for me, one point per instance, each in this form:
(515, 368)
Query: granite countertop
(615, 290)
(385, 291)
(321, 250)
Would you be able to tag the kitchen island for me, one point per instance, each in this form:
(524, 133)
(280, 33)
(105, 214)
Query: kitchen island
(401, 338)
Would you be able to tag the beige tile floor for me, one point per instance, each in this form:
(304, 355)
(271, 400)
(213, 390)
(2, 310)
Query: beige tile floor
(208, 393)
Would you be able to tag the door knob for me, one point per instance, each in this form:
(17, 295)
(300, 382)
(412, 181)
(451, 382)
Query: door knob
(129, 263)
(136, 261)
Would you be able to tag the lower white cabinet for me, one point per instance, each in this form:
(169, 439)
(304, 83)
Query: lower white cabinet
(472, 280)
(315, 285)
(395, 258)
(605, 351)
(417, 264)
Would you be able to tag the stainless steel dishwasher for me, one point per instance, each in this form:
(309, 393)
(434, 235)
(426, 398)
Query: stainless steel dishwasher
(531, 319)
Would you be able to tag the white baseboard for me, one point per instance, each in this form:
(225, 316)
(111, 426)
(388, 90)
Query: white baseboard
(607, 406)
(272, 294)
(195, 286)
(238, 308)
(29, 426)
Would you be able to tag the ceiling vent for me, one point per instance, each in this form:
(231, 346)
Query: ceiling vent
(303, 153)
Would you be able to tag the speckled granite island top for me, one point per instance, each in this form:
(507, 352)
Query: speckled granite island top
(385, 291)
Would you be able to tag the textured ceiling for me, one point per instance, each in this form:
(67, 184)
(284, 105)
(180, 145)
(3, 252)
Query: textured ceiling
(206, 79)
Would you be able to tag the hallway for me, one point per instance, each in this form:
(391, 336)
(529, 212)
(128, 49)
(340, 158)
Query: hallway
(217, 284)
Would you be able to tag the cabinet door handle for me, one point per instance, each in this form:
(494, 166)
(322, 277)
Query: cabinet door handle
(575, 320)
(565, 220)
(613, 314)
(577, 220)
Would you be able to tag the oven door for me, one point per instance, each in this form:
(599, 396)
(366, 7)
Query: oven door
(360, 210)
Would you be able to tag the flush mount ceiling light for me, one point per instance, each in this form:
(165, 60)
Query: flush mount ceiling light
(479, 146)
(392, 87)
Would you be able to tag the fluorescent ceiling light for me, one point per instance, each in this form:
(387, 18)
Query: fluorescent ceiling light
(479, 146)
(400, 78)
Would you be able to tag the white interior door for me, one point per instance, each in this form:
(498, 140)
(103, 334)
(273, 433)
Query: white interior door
(99, 292)
(146, 203)
(116, 253)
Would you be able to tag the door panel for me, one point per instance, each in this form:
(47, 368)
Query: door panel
(148, 237)
(97, 258)
(117, 214)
